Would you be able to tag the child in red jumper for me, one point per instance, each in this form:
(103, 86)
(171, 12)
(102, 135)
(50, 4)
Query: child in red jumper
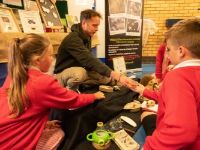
(178, 115)
(28, 94)
(162, 62)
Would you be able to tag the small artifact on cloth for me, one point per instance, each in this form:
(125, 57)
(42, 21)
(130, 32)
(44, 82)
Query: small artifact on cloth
(106, 88)
(116, 88)
(133, 106)
(124, 141)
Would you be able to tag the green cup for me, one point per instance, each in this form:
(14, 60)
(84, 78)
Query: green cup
(100, 136)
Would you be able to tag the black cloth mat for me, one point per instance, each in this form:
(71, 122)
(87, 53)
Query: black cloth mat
(86, 145)
(79, 122)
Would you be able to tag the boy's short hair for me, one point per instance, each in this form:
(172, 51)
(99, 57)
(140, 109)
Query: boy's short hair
(186, 33)
(88, 14)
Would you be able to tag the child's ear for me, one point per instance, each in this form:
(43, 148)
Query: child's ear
(182, 51)
(35, 61)
(84, 24)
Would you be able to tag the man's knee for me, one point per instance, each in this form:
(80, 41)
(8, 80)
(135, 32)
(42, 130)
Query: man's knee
(79, 73)
(70, 75)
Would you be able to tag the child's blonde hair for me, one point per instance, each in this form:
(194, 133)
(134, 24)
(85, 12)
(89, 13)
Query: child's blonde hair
(21, 53)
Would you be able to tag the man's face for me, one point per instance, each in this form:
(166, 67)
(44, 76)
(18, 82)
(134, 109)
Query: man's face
(90, 27)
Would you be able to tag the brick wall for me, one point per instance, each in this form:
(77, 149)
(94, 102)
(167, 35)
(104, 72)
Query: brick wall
(159, 11)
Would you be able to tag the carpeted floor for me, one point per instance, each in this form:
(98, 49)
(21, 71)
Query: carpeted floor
(148, 68)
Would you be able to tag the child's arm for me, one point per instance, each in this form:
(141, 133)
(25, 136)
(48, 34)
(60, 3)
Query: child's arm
(139, 88)
(150, 94)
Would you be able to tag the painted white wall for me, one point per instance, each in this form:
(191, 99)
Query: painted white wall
(100, 7)
(76, 6)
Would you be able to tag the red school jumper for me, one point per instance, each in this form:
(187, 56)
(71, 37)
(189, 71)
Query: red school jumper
(178, 117)
(44, 92)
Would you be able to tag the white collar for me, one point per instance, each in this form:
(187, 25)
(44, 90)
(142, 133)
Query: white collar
(192, 62)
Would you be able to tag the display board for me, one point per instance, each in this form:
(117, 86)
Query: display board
(124, 31)
(31, 21)
(19, 4)
(8, 22)
(49, 13)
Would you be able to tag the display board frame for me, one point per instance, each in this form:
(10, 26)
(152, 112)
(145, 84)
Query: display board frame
(8, 22)
(31, 21)
(49, 13)
(19, 4)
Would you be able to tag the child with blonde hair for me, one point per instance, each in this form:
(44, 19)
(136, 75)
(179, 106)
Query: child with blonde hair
(28, 93)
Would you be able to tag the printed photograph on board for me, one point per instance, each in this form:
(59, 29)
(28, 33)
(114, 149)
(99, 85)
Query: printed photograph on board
(133, 26)
(134, 7)
(117, 6)
(116, 25)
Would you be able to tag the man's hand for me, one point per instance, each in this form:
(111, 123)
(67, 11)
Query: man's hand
(136, 87)
(120, 78)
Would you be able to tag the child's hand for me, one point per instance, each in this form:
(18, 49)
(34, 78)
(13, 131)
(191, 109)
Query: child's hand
(170, 67)
(53, 124)
(99, 95)
(139, 89)
(158, 80)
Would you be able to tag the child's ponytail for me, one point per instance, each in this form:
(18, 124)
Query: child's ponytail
(18, 73)
(22, 52)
